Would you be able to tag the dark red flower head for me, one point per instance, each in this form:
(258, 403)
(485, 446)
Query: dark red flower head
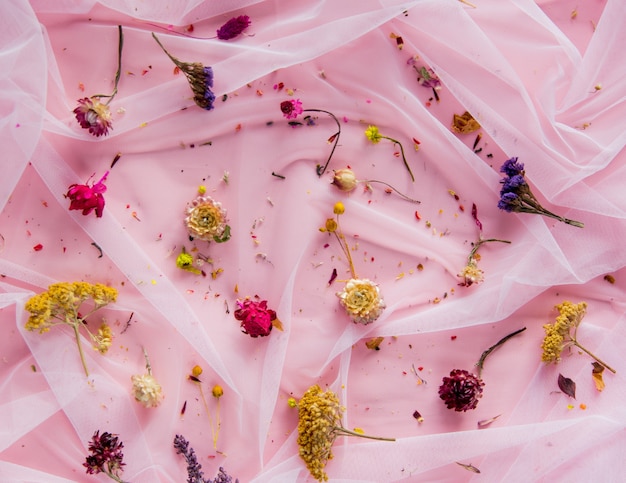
(88, 198)
(233, 27)
(256, 319)
(462, 390)
(106, 454)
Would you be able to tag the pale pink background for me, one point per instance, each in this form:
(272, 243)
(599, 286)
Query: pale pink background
(526, 70)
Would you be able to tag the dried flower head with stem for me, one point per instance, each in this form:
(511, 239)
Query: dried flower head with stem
(345, 179)
(206, 219)
(516, 195)
(88, 198)
(106, 456)
(200, 79)
(471, 273)
(217, 393)
(462, 390)
(60, 305)
(94, 115)
(319, 424)
(194, 468)
(373, 134)
(185, 261)
(360, 297)
(292, 108)
(562, 334)
(146, 389)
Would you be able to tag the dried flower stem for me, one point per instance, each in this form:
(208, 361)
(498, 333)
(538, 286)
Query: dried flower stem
(484, 355)
(344, 246)
(536, 208)
(346, 432)
(322, 169)
(586, 351)
(480, 242)
(206, 408)
(80, 349)
(395, 141)
(120, 46)
(391, 187)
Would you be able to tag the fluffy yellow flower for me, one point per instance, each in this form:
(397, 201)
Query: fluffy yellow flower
(373, 134)
(362, 300)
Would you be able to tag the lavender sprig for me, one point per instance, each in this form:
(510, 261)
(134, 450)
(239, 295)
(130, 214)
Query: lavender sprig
(194, 468)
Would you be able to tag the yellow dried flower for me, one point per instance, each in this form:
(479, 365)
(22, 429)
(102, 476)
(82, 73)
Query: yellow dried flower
(331, 225)
(319, 424)
(339, 209)
(471, 274)
(292, 403)
(147, 390)
(362, 300)
(103, 338)
(196, 371)
(206, 219)
(217, 391)
(373, 134)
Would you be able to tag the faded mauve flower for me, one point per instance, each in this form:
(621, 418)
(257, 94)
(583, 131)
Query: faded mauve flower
(462, 390)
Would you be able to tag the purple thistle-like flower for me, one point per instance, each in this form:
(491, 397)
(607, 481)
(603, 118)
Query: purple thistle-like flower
(508, 202)
(234, 27)
(106, 455)
(511, 167)
(462, 390)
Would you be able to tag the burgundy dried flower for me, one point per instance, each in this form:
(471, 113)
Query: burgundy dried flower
(106, 455)
(87, 198)
(93, 115)
(462, 390)
(256, 319)
(292, 108)
(233, 27)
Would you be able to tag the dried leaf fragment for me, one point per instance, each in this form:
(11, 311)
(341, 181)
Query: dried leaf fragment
(464, 124)
(567, 386)
(486, 422)
(278, 324)
(596, 373)
(374, 344)
(469, 467)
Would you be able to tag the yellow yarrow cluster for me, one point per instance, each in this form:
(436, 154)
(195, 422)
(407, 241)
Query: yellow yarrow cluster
(558, 334)
(319, 416)
(103, 338)
(373, 134)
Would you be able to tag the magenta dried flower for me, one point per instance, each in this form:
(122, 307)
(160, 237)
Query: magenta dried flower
(234, 27)
(94, 115)
(462, 390)
(88, 198)
(256, 319)
(291, 109)
(106, 456)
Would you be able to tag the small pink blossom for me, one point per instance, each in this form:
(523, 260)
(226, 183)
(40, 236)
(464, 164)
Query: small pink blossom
(93, 115)
(256, 319)
(292, 108)
(87, 198)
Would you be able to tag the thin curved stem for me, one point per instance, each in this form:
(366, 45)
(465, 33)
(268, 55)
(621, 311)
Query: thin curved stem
(388, 185)
(80, 348)
(484, 355)
(599, 361)
(395, 141)
(322, 169)
(347, 432)
(481, 242)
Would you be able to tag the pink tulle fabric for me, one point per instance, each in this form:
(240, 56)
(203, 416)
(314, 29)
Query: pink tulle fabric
(545, 80)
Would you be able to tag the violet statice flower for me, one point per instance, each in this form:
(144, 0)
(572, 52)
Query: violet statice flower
(462, 390)
(234, 27)
(516, 195)
(199, 76)
(106, 456)
(194, 468)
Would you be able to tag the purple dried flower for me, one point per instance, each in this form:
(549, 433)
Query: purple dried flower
(106, 455)
(194, 469)
(233, 27)
(511, 167)
(462, 390)
(508, 202)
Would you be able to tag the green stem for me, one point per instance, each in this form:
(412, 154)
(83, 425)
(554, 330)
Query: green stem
(388, 185)
(575, 342)
(484, 355)
(395, 141)
(80, 347)
(479, 243)
(322, 169)
(347, 432)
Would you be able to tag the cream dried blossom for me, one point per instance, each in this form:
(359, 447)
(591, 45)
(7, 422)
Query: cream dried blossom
(206, 219)
(471, 274)
(362, 300)
(146, 389)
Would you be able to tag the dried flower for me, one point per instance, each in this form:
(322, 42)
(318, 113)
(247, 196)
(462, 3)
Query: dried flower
(292, 108)
(372, 133)
(362, 301)
(215, 426)
(106, 456)
(471, 274)
(93, 115)
(427, 78)
(360, 298)
(234, 27)
(185, 261)
(464, 123)
(516, 195)
(319, 424)
(206, 220)
(146, 389)
(194, 468)
(103, 338)
(560, 336)
(88, 198)
(462, 390)
(346, 180)
(256, 319)
(200, 79)
(61, 303)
